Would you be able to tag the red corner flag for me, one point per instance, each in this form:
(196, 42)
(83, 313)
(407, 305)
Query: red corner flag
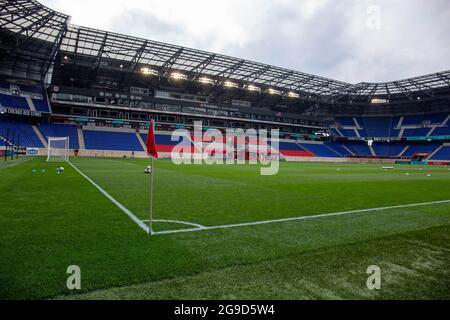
(151, 144)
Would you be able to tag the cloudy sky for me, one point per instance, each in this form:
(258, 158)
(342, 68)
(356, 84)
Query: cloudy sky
(349, 40)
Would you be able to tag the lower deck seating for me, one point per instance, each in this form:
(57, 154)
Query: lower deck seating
(290, 149)
(24, 135)
(421, 148)
(358, 149)
(338, 148)
(321, 150)
(442, 154)
(388, 149)
(113, 141)
(61, 130)
(164, 143)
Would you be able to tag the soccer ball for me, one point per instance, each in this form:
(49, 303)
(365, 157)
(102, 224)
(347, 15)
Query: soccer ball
(61, 169)
(148, 169)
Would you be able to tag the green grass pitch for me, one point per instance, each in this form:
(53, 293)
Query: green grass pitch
(50, 221)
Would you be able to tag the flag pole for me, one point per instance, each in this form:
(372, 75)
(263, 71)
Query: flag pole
(150, 220)
(150, 225)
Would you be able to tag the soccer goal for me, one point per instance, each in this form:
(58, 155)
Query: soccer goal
(58, 149)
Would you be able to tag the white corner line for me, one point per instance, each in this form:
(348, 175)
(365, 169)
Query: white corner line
(117, 203)
(197, 226)
(238, 225)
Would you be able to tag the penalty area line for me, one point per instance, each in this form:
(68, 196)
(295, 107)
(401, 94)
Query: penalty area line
(334, 214)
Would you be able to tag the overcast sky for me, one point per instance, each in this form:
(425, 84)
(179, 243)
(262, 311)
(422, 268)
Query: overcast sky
(349, 40)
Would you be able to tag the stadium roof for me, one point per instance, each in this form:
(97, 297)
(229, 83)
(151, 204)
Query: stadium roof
(30, 19)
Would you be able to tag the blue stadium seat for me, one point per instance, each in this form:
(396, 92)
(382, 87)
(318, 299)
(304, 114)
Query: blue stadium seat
(23, 133)
(419, 132)
(348, 132)
(338, 148)
(114, 141)
(61, 130)
(14, 102)
(388, 149)
(441, 131)
(359, 149)
(320, 150)
(443, 154)
(347, 121)
(41, 105)
(421, 148)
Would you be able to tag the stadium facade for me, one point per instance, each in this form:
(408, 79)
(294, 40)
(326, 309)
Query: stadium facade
(102, 88)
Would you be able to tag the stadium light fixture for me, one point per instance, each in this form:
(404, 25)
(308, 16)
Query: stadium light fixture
(149, 72)
(274, 92)
(379, 101)
(293, 95)
(178, 76)
(253, 88)
(230, 84)
(206, 80)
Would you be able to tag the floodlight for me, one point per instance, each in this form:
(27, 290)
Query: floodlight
(206, 80)
(149, 72)
(293, 95)
(253, 88)
(274, 92)
(178, 76)
(379, 101)
(229, 84)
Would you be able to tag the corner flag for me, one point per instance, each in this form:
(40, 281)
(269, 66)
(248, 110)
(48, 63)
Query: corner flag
(151, 144)
(151, 150)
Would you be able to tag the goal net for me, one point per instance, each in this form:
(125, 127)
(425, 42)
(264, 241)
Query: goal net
(58, 149)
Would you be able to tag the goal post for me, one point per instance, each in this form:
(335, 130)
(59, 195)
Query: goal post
(58, 149)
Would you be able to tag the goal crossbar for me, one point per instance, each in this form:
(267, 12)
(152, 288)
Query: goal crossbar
(58, 149)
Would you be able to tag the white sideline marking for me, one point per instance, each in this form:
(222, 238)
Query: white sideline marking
(117, 203)
(237, 225)
(197, 226)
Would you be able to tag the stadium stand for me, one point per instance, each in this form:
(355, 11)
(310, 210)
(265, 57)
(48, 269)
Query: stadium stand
(441, 131)
(442, 154)
(9, 101)
(61, 130)
(164, 143)
(289, 149)
(321, 150)
(41, 105)
(109, 140)
(421, 148)
(24, 131)
(359, 149)
(388, 127)
(17, 95)
(348, 132)
(420, 132)
(339, 149)
(388, 149)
